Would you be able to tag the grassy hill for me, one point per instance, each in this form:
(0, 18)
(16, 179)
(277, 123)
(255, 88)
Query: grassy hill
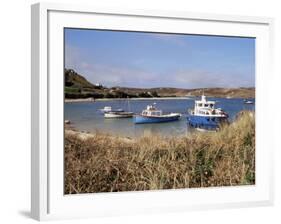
(76, 86)
(73, 79)
(214, 92)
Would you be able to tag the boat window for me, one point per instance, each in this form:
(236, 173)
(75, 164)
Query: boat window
(199, 104)
(155, 113)
(206, 105)
(211, 105)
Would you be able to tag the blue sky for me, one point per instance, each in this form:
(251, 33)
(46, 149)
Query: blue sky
(136, 59)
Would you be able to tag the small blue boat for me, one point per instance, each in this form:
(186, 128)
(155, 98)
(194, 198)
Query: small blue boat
(153, 115)
(205, 116)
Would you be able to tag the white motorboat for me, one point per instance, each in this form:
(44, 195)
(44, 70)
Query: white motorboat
(109, 109)
(116, 114)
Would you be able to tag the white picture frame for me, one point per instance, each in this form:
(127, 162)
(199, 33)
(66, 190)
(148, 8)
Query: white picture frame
(48, 201)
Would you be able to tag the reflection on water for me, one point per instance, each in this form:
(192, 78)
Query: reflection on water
(87, 117)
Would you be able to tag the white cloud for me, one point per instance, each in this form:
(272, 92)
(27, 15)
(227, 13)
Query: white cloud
(136, 76)
(171, 38)
(117, 76)
(205, 79)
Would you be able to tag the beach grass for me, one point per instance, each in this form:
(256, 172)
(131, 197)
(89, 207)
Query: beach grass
(104, 163)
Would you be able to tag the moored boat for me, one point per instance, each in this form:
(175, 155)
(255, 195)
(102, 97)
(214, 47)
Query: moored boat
(248, 101)
(152, 115)
(109, 109)
(206, 116)
(117, 114)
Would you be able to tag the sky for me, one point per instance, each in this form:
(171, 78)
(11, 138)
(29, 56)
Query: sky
(148, 60)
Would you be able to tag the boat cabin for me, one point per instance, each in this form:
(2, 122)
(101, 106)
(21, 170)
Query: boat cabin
(151, 111)
(203, 106)
(106, 108)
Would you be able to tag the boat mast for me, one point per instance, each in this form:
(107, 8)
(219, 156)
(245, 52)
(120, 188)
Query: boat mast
(129, 109)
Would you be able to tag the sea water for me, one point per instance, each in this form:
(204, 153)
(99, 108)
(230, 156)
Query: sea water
(86, 116)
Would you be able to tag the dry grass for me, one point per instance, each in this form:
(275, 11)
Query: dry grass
(105, 164)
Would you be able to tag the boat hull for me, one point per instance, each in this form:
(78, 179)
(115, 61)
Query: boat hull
(139, 119)
(118, 114)
(115, 110)
(206, 122)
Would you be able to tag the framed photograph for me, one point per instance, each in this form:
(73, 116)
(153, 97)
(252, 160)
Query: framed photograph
(148, 111)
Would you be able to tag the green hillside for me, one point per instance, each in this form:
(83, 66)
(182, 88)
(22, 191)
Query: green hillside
(74, 80)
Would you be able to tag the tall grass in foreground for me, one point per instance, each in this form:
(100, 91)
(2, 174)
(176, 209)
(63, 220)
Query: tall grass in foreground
(103, 163)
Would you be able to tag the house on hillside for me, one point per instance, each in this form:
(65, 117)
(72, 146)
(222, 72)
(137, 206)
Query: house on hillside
(98, 85)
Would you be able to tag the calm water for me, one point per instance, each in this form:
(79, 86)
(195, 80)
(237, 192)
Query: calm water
(87, 117)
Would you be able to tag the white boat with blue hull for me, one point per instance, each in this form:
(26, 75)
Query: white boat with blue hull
(206, 116)
(152, 115)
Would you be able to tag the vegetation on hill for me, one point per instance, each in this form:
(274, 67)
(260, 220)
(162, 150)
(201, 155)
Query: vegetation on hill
(76, 86)
(104, 163)
(73, 79)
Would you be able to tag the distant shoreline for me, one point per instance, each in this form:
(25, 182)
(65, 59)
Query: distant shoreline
(79, 89)
(81, 100)
(122, 99)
